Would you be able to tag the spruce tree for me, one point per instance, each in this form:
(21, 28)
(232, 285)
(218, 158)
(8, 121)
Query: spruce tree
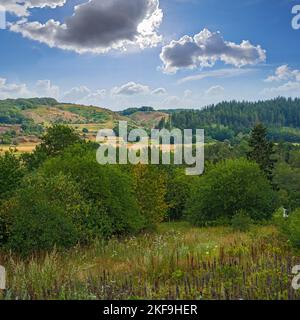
(262, 150)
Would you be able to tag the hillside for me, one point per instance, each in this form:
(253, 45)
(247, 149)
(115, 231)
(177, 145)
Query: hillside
(24, 120)
(227, 120)
(145, 116)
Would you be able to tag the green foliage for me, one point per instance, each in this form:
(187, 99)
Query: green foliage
(43, 214)
(225, 119)
(150, 192)
(11, 173)
(287, 179)
(131, 111)
(89, 113)
(228, 187)
(289, 227)
(171, 263)
(57, 139)
(42, 226)
(262, 150)
(53, 143)
(179, 186)
(106, 188)
(241, 221)
(50, 211)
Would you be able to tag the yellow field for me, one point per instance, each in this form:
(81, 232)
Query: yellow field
(22, 148)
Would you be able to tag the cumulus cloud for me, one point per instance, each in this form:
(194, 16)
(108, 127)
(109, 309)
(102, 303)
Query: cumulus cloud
(205, 49)
(283, 73)
(21, 7)
(12, 90)
(159, 91)
(289, 80)
(83, 94)
(44, 88)
(100, 26)
(76, 93)
(215, 91)
(289, 89)
(130, 89)
(171, 102)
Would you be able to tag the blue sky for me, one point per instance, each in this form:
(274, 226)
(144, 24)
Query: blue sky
(189, 53)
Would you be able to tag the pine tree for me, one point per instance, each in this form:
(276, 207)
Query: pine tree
(262, 150)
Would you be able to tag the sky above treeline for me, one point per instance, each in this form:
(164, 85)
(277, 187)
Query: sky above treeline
(160, 53)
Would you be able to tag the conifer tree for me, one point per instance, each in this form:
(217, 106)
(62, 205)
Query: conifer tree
(262, 150)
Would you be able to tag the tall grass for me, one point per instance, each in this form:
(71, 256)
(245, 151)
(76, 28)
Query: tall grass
(177, 262)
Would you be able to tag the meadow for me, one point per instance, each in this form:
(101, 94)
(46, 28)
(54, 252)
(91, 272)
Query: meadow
(178, 261)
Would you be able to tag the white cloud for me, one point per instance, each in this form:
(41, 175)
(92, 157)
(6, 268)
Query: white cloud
(171, 102)
(289, 89)
(130, 89)
(159, 91)
(283, 73)
(44, 88)
(290, 82)
(76, 94)
(100, 26)
(188, 93)
(205, 49)
(84, 95)
(221, 73)
(215, 91)
(21, 7)
(12, 90)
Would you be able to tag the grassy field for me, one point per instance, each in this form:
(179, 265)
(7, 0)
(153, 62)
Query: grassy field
(21, 148)
(176, 262)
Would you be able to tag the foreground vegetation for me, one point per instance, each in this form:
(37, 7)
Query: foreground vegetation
(73, 229)
(176, 262)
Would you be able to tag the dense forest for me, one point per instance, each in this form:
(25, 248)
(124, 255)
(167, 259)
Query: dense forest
(226, 120)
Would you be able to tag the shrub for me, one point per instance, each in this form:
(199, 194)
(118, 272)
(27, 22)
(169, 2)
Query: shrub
(289, 227)
(294, 228)
(11, 173)
(241, 221)
(150, 192)
(106, 188)
(57, 139)
(229, 187)
(40, 227)
(178, 191)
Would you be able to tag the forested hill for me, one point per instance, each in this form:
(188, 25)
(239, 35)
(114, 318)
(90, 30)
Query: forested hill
(227, 119)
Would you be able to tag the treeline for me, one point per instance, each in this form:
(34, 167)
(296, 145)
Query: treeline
(228, 119)
(130, 111)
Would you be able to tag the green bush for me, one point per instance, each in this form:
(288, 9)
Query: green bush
(41, 227)
(227, 188)
(48, 211)
(11, 173)
(106, 188)
(178, 191)
(241, 221)
(289, 227)
(57, 139)
(150, 193)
